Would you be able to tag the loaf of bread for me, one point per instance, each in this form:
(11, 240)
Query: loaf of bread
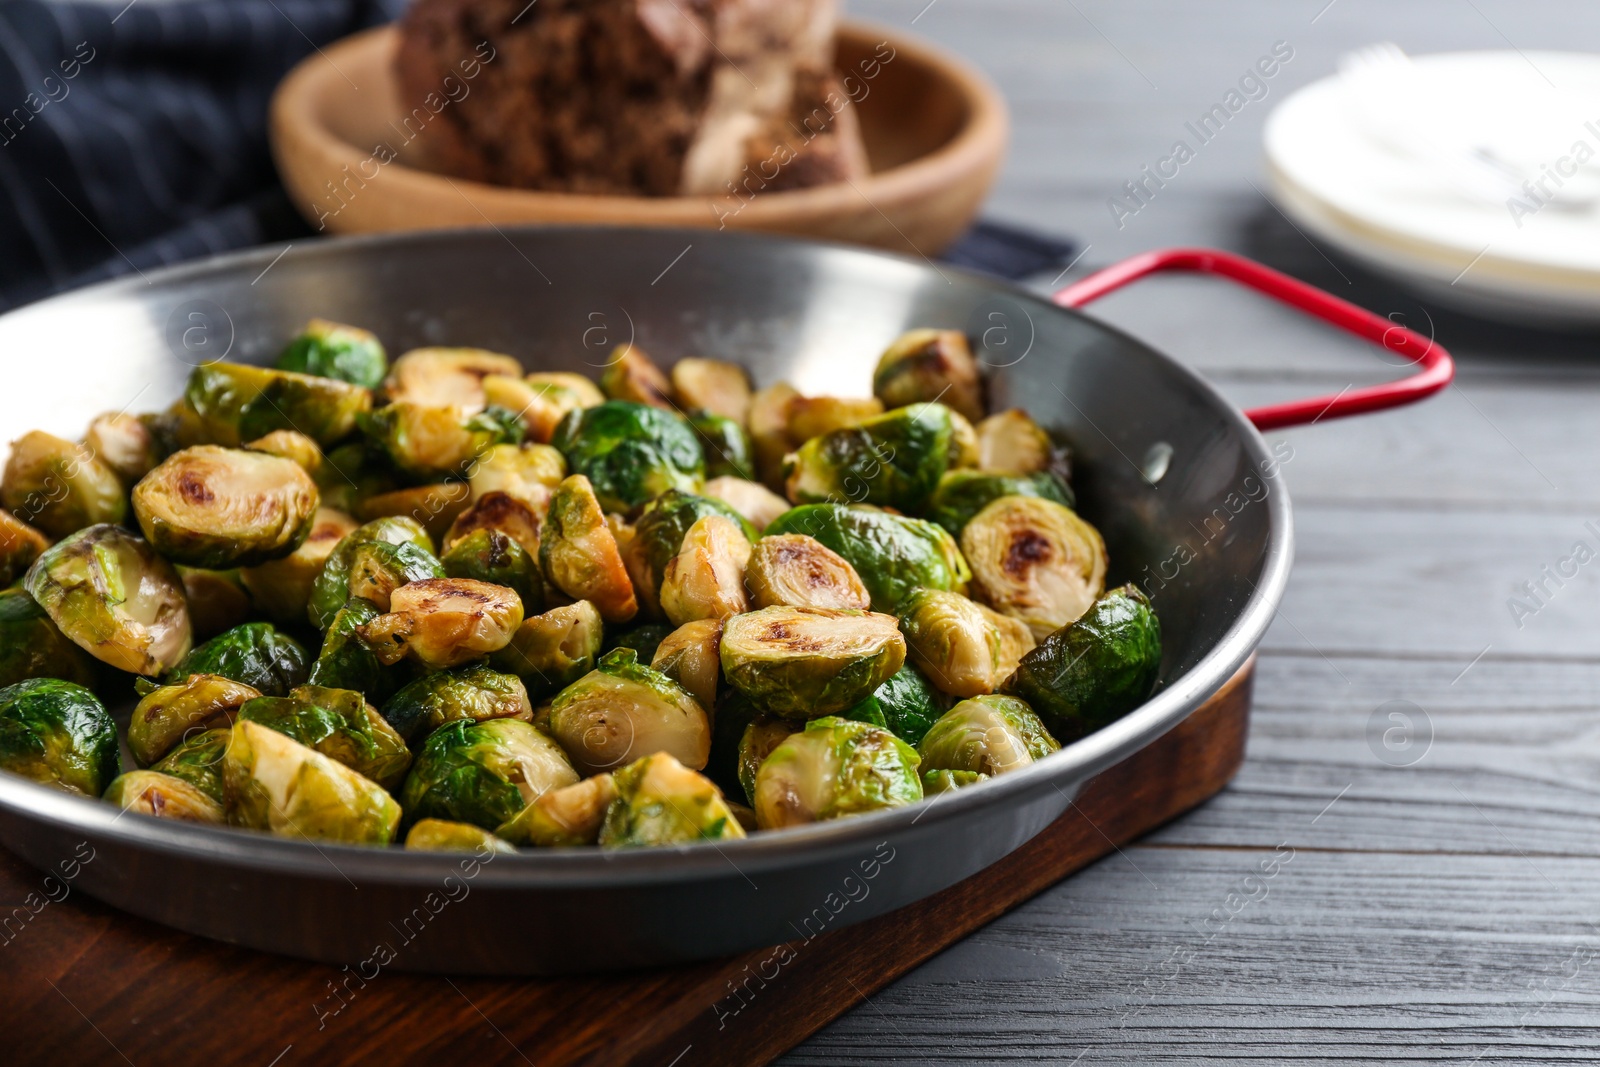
(634, 97)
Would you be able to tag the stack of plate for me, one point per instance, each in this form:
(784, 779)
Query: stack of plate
(1472, 177)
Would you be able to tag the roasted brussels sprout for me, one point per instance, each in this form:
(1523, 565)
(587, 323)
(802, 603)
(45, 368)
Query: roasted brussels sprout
(163, 796)
(493, 557)
(768, 422)
(332, 586)
(441, 835)
(906, 705)
(225, 507)
(197, 759)
(757, 504)
(291, 445)
(690, 656)
(124, 443)
(940, 780)
(474, 693)
(631, 452)
(435, 505)
(924, 366)
(256, 654)
(378, 568)
(340, 724)
(894, 460)
(115, 598)
(966, 649)
(333, 350)
(498, 511)
(527, 472)
(661, 528)
(632, 376)
(963, 443)
(964, 493)
(723, 389)
(427, 440)
(444, 622)
(168, 713)
(281, 588)
(802, 572)
(345, 662)
(483, 773)
(759, 740)
(31, 646)
(60, 486)
(571, 815)
(817, 416)
(892, 554)
(661, 802)
(834, 768)
(579, 553)
(727, 446)
(551, 651)
(58, 734)
(1035, 560)
(705, 580)
(446, 377)
(1012, 443)
(1090, 674)
(235, 403)
(623, 710)
(20, 545)
(802, 663)
(986, 735)
(555, 394)
(274, 783)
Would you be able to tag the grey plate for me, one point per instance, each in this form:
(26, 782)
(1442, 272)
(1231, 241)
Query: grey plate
(1210, 539)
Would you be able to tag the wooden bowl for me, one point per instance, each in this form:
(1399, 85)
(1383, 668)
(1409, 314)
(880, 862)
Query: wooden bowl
(935, 131)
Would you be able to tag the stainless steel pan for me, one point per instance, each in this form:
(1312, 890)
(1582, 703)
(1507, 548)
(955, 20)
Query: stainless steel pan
(1162, 462)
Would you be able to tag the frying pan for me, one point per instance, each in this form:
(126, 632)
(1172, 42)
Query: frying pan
(1163, 463)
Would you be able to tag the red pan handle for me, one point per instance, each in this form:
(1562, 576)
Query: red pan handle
(1437, 368)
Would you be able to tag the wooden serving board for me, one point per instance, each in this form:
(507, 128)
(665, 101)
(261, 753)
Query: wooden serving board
(83, 983)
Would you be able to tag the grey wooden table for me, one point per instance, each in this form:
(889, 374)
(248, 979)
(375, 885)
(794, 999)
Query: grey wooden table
(1439, 911)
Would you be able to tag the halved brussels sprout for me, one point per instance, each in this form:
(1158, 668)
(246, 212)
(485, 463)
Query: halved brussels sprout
(1090, 674)
(378, 568)
(429, 439)
(235, 403)
(491, 556)
(20, 545)
(167, 714)
(59, 486)
(474, 693)
(802, 572)
(124, 443)
(281, 588)
(197, 759)
(115, 598)
(963, 647)
(659, 533)
(892, 554)
(726, 446)
(803, 663)
(31, 646)
(340, 724)
(1035, 560)
(906, 705)
(631, 375)
(769, 430)
(757, 504)
(631, 452)
(817, 416)
(834, 768)
(332, 586)
(256, 654)
(225, 507)
(444, 622)
(334, 350)
(705, 580)
(483, 773)
(579, 553)
(986, 735)
(690, 656)
(435, 505)
(923, 366)
(964, 493)
(557, 393)
(940, 780)
(498, 511)
(711, 385)
(528, 472)
(963, 443)
(446, 377)
(551, 651)
(58, 734)
(354, 473)
(162, 796)
(217, 600)
(759, 740)
(442, 835)
(661, 802)
(623, 710)
(274, 783)
(345, 661)
(644, 640)
(290, 445)
(569, 816)
(894, 460)
(1012, 443)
